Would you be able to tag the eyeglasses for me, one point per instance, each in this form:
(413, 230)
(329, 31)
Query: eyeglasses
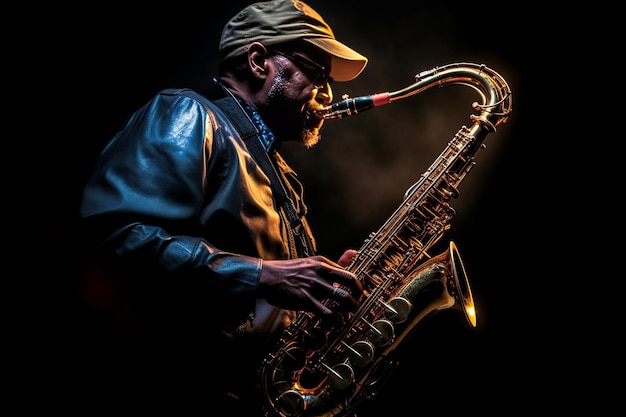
(320, 77)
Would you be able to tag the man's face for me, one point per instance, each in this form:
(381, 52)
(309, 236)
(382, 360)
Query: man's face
(294, 101)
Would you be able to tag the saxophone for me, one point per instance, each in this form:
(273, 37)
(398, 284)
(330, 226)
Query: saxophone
(316, 370)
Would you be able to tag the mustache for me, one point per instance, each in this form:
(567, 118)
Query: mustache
(313, 112)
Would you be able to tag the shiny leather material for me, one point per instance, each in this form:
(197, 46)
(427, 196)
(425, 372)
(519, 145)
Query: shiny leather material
(176, 170)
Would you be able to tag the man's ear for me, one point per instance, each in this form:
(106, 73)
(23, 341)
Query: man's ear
(257, 59)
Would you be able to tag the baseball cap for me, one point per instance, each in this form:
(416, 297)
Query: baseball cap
(280, 21)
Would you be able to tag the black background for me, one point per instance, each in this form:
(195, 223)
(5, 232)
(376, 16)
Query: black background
(107, 61)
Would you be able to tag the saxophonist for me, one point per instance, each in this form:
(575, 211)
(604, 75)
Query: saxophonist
(199, 247)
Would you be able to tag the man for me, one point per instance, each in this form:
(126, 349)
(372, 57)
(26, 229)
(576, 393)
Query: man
(202, 253)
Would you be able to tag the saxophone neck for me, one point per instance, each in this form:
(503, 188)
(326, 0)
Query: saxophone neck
(493, 89)
(350, 106)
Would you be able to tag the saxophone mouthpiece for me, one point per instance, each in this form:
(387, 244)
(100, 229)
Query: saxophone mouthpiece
(351, 106)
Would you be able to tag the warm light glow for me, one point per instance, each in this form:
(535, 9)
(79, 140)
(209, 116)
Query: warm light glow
(471, 315)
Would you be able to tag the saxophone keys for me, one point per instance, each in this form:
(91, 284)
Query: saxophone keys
(341, 376)
(291, 403)
(397, 310)
(361, 353)
(314, 338)
(381, 332)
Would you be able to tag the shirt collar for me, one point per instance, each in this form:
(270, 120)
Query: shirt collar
(265, 134)
(267, 138)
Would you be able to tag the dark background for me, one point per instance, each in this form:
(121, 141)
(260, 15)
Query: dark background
(108, 61)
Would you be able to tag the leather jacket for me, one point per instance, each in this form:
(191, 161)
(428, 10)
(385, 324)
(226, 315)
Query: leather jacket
(177, 195)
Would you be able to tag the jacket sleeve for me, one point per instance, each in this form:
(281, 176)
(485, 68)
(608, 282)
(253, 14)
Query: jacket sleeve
(147, 190)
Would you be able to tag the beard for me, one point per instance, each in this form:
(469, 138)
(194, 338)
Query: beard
(305, 124)
(310, 134)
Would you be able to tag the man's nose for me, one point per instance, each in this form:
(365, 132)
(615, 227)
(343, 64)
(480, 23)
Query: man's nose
(324, 94)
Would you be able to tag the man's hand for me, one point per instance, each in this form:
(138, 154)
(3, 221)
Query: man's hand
(305, 283)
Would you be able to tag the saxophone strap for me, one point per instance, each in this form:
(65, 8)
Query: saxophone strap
(301, 242)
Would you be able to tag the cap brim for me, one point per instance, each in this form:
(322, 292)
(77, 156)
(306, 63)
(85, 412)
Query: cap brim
(346, 63)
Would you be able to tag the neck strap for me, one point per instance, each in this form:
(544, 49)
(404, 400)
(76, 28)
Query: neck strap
(300, 238)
